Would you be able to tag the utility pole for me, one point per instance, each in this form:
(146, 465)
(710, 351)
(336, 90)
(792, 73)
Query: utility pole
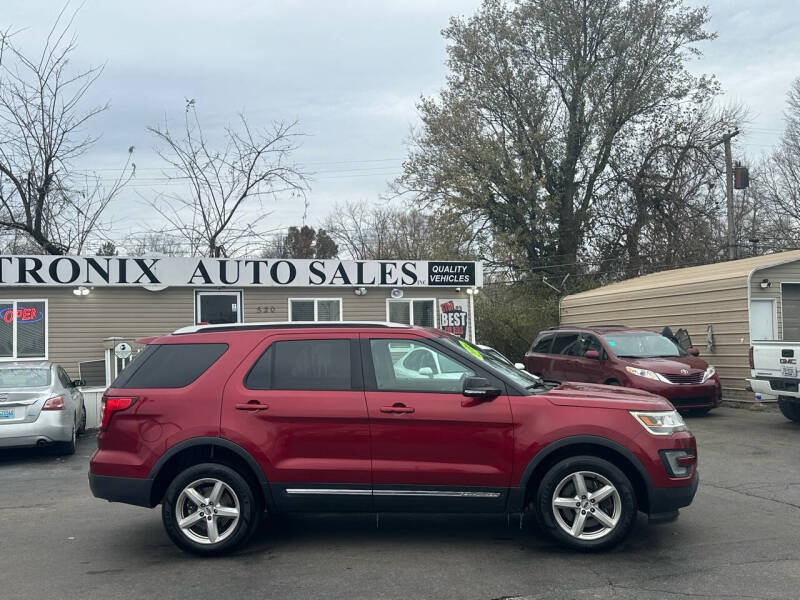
(726, 139)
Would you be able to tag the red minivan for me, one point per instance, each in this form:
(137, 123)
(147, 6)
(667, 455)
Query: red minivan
(625, 356)
(223, 424)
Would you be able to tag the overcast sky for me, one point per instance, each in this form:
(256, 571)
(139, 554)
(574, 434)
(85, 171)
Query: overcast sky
(350, 71)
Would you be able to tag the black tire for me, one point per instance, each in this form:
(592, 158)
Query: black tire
(82, 426)
(238, 490)
(790, 408)
(590, 466)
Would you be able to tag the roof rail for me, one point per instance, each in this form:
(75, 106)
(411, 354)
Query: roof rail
(282, 325)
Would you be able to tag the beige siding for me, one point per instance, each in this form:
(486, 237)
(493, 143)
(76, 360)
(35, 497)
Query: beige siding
(785, 273)
(721, 303)
(77, 325)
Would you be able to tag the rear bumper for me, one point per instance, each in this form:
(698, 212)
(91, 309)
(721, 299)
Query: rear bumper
(775, 386)
(51, 426)
(667, 501)
(130, 490)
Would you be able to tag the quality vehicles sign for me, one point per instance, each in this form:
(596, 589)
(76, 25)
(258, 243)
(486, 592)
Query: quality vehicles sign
(217, 272)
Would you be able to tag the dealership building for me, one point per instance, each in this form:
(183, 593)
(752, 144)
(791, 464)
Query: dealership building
(85, 312)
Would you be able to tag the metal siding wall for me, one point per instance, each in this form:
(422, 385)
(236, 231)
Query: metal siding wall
(786, 273)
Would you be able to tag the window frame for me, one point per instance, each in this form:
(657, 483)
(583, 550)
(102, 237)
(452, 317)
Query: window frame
(316, 309)
(410, 302)
(232, 292)
(14, 304)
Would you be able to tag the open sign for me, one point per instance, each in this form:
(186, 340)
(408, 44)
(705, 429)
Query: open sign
(25, 314)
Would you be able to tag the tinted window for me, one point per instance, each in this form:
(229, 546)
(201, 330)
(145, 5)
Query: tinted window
(169, 365)
(580, 346)
(563, 341)
(422, 369)
(542, 345)
(303, 365)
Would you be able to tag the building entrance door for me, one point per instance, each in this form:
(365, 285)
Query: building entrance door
(762, 320)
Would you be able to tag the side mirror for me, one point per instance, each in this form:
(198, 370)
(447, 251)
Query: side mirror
(592, 354)
(693, 351)
(78, 383)
(479, 387)
(520, 366)
(426, 372)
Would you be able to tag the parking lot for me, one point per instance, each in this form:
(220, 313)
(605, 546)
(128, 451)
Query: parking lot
(738, 540)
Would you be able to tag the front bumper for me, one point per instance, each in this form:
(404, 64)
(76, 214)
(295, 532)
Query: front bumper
(700, 395)
(50, 426)
(665, 502)
(129, 490)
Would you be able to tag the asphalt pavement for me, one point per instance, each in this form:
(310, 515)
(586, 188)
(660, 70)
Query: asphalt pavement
(739, 539)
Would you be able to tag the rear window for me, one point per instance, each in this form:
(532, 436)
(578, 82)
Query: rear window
(24, 377)
(169, 365)
(303, 365)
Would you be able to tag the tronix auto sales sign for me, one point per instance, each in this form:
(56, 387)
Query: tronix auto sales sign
(217, 272)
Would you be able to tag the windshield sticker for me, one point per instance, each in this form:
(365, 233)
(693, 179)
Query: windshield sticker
(470, 349)
(612, 343)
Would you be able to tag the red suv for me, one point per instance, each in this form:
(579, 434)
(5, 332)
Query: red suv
(618, 355)
(221, 424)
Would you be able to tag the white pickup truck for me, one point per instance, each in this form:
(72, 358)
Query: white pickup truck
(774, 372)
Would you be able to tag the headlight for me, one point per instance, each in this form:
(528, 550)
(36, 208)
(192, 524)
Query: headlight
(709, 373)
(660, 423)
(646, 374)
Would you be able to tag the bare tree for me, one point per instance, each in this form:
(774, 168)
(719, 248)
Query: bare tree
(42, 124)
(222, 210)
(154, 242)
(382, 231)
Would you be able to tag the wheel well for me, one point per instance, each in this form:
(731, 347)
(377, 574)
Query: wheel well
(611, 381)
(195, 455)
(609, 454)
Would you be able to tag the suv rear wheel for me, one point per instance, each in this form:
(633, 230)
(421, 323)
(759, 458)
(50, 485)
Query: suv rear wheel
(790, 408)
(209, 509)
(586, 503)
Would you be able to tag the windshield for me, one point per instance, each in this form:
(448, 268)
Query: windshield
(520, 378)
(642, 345)
(24, 377)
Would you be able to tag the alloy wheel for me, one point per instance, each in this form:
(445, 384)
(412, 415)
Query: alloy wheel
(207, 511)
(586, 505)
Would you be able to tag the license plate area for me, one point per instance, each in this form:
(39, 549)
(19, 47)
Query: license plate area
(789, 371)
(7, 413)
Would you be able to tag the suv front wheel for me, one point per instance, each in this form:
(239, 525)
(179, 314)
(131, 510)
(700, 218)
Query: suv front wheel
(209, 509)
(586, 503)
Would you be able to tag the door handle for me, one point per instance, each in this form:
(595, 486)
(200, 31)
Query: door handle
(252, 405)
(397, 408)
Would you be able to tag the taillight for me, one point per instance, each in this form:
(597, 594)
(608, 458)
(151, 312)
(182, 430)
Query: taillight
(750, 358)
(56, 403)
(111, 405)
